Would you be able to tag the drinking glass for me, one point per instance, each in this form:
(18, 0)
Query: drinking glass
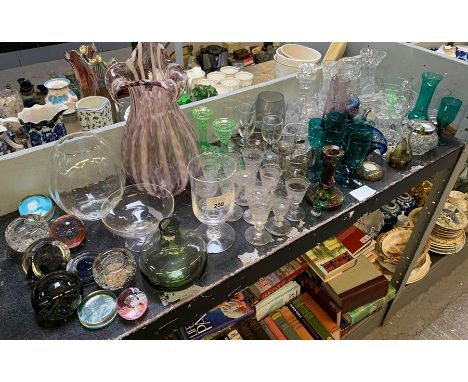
(246, 118)
(223, 128)
(259, 200)
(243, 181)
(212, 189)
(270, 174)
(281, 202)
(83, 172)
(252, 159)
(270, 103)
(448, 110)
(202, 115)
(230, 111)
(272, 128)
(285, 146)
(296, 188)
(255, 141)
(237, 212)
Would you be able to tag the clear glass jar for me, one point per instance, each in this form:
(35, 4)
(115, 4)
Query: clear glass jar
(424, 137)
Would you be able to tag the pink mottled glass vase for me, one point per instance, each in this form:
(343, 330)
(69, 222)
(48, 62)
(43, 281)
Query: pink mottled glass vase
(158, 140)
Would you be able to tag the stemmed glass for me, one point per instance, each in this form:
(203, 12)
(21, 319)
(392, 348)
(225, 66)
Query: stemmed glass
(285, 146)
(224, 128)
(212, 189)
(448, 110)
(253, 158)
(202, 115)
(259, 200)
(246, 118)
(272, 128)
(296, 188)
(270, 174)
(281, 202)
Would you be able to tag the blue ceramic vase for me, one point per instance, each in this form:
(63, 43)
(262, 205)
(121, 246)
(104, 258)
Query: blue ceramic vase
(391, 211)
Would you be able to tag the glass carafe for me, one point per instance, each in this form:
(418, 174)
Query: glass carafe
(173, 259)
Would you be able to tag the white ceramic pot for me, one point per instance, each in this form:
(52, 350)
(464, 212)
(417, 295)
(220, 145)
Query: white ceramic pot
(207, 82)
(231, 83)
(217, 76)
(194, 75)
(59, 92)
(94, 112)
(282, 59)
(245, 78)
(300, 52)
(229, 70)
(221, 89)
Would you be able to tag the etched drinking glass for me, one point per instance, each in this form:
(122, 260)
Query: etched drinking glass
(252, 159)
(270, 174)
(259, 200)
(281, 202)
(239, 188)
(212, 189)
(246, 118)
(272, 127)
(296, 188)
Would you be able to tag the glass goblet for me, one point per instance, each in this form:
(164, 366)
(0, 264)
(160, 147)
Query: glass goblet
(272, 128)
(281, 202)
(212, 189)
(259, 200)
(252, 159)
(246, 118)
(285, 146)
(270, 174)
(448, 110)
(223, 128)
(202, 115)
(296, 188)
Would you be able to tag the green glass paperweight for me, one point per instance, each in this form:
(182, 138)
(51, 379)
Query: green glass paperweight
(202, 115)
(200, 92)
(173, 259)
(428, 86)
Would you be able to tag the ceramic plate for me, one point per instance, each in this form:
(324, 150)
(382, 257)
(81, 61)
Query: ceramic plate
(452, 218)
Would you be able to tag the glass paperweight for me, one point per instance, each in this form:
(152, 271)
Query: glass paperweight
(83, 172)
(131, 304)
(24, 231)
(68, 229)
(37, 205)
(114, 269)
(56, 296)
(174, 259)
(137, 213)
(45, 256)
(82, 266)
(98, 309)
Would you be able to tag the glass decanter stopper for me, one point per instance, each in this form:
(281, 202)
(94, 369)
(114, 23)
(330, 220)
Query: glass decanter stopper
(224, 128)
(175, 260)
(131, 304)
(429, 83)
(202, 115)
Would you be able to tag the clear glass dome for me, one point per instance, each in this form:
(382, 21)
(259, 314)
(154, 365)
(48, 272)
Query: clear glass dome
(83, 172)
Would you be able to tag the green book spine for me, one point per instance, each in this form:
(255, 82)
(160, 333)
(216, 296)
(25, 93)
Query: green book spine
(309, 316)
(304, 322)
(284, 326)
(267, 330)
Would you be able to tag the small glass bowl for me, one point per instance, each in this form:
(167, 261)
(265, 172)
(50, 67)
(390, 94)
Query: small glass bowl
(24, 231)
(114, 269)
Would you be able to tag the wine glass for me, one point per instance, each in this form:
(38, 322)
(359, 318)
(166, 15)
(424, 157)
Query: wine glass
(270, 103)
(259, 200)
(448, 110)
(83, 172)
(272, 128)
(246, 115)
(270, 174)
(255, 141)
(252, 161)
(281, 202)
(212, 189)
(285, 146)
(296, 188)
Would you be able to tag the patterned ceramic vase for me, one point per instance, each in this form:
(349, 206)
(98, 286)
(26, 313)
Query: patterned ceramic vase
(391, 212)
(406, 202)
(94, 112)
(59, 92)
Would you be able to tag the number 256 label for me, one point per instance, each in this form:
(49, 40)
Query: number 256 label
(218, 201)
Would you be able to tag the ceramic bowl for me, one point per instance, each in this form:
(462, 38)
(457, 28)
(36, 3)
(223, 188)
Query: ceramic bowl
(245, 78)
(94, 112)
(394, 243)
(231, 83)
(284, 70)
(282, 59)
(229, 70)
(221, 89)
(300, 52)
(207, 82)
(217, 76)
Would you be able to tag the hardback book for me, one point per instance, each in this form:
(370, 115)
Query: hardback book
(329, 259)
(358, 314)
(295, 324)
(274, 328)
(267, 330)
(357, 286)
(244, 330)
(274, 281)
(319, 294)
(311, 318)
(327, 322)
(310, 329)
(284, 326)
(236, 309)
(258, 330)
(276, 300)
(354, 239)
(372, 255)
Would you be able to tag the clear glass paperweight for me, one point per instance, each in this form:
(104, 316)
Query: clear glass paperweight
(56, 296)
(132, 304)
(83, 172)
(173, 259)
(68, 229)
(98, 309)
(114, 269)
(137, 213)
(24, 231)
(37, 205)
(82, 266)
(45, 256)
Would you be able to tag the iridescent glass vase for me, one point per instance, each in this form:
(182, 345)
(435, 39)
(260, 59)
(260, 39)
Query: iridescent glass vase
(429, 83)
(448, 110)
(325, 194)
(337, 97)
(202, 115)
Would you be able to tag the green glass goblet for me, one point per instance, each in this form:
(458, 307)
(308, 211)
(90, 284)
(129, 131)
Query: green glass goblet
(224, 128)
(448, 110)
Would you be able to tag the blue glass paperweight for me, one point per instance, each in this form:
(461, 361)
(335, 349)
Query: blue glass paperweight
(37, 205)
(82, 266)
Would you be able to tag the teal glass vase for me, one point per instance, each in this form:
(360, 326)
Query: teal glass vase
(429, 84)
(202, 115)
(448, 110)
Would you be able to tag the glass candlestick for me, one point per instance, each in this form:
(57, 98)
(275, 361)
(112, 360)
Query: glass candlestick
(329, 197)
(202, 115)
(224, 128)
(429, 83)
(448, 110)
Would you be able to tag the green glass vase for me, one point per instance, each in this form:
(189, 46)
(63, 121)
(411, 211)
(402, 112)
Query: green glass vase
(429, 83)
(448, 110)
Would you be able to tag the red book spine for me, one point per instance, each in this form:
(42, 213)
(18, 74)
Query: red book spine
(274, 328)
(284, 281)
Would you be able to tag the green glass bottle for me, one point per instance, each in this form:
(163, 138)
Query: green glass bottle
(173, 259)
(429, 83)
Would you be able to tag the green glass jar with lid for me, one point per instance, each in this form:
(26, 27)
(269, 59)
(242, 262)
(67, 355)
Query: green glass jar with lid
(173, 259)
